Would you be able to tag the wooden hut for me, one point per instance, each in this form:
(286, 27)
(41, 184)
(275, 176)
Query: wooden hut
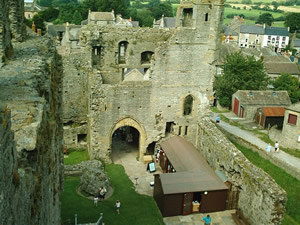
(193, 188)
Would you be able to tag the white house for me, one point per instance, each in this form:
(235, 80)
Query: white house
(277, 37)
(252, 36)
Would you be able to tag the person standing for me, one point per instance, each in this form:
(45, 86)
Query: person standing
(206, 220)
(276, 146)
(118, 205)
(269, 148)
(96, 201)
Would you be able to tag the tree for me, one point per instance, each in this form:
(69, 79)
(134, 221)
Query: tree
(39, 22)
(240, 73)
(266, 18)
(77, 18)
(290, 84)
(145, 18)
(292, 20)
(49, 14)
(162, 9)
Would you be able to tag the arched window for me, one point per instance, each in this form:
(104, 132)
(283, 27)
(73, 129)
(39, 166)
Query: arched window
(188, 105)
(146, 57)
(122, 51)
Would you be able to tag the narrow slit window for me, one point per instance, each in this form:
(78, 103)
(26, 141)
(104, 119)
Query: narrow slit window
(186, 130)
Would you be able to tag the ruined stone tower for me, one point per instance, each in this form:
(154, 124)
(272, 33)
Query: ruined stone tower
(171, 92)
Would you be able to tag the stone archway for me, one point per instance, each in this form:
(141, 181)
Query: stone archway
(131, 122)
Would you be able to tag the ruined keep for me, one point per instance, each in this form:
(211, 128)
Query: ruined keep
(171, 94)
(31, 142)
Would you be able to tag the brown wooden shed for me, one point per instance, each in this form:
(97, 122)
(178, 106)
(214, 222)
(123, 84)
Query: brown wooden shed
(195, 187)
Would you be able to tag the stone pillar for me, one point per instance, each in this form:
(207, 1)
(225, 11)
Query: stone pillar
(5, 39)
(16, 16)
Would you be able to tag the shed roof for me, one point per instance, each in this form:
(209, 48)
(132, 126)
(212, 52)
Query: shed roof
(184, 156)
(185, 182)
(282, 67)
(192, 171)
(252, 29)
(276, 58)
(278, 31)
(273, 111)
(264, 98)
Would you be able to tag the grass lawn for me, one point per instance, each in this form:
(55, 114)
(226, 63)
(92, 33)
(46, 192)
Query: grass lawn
(76, 156)
(249, 13)
(135, 208)
(289, 183)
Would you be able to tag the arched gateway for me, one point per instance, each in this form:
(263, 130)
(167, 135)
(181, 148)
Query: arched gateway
(131, 122)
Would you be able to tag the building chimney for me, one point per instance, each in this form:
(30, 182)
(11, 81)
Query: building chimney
(264, 26)
(288, 29)
(39, 32)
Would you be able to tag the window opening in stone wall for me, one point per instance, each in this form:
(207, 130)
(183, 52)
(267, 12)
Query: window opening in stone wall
(206, 16)
(146, 57)
(122, 52)
(187, 17)
(188, 105)
(150, 148)
(179, 130)
(186, 130)
(169, 127)
(292, 119)
(81, 138)
(96, 55)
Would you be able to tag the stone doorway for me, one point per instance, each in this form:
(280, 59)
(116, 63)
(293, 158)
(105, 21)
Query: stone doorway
(125, 143)
(128, 125)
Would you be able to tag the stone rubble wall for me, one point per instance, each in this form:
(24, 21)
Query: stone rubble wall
(5, 36)
(16, 17)
(31, 151)
(261, 200)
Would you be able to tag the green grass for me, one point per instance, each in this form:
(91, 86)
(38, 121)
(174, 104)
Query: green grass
(289, 183)
(216, 110)
(135, 208)
(76, 156)
(249, 13)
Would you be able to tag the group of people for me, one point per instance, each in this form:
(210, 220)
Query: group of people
(276, 147)
(101, 195)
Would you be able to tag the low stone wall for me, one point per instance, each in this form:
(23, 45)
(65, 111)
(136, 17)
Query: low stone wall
(261, 200)
(268, 156)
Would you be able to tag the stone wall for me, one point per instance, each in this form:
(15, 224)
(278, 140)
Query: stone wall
(31, 150)
(5, 36)
(181, 66)
(261, 200)
(16, 17)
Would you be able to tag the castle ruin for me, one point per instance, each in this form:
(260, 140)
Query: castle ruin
(151, 82)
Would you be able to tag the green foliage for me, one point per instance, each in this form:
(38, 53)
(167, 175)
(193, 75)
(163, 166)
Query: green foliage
(290, 84)
(49, 14)
(289, 183)
(240, 73)
(135, 208)
(76, 156)
(77, 18)
(164, 8)
(265, 18)
(292, 20)
(44, 3)
(145, 18)
(39, 22)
